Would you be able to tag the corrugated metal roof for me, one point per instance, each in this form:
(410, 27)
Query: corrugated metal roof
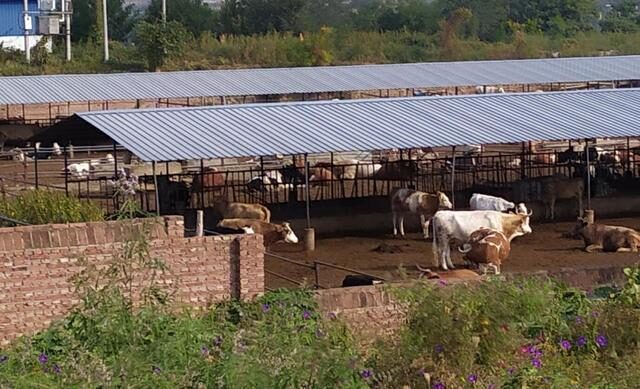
(127, 86)
(358, 125)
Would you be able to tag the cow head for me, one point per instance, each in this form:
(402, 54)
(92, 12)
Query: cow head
(287, 233)
(578, 228)
(517, 225)
(443, 201)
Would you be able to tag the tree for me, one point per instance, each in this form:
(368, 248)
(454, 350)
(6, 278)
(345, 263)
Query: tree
(623, 18)
(329, 13)
(196, 16)
(87, 19)
(261, 16)
(158, 41)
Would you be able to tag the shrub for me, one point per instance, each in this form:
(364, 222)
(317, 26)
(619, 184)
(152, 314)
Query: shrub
(44, 206)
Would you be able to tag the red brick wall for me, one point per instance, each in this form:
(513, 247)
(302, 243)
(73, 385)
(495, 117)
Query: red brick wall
(36, 263)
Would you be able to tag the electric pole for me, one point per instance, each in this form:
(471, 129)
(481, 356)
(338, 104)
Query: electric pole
(27, 27)
(105, 30)
(164, 11)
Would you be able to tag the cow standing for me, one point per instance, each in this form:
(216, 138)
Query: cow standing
(487, 248)
(557, 188)
(606, 238)
(271, 232)
(242, 211)
(459, 225)
(404, 201)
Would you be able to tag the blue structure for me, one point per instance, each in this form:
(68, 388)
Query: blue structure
(11, 22)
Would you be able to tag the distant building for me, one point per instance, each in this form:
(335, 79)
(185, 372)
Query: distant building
(12, 24)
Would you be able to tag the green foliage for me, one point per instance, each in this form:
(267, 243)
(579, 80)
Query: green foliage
(87, 19)
(44, 206)
(195, 16)
(158, 41)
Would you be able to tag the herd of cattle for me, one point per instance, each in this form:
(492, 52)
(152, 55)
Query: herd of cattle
(482, 234)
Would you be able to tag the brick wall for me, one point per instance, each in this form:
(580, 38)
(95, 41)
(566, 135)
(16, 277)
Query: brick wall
(370, 312)
(36, 263)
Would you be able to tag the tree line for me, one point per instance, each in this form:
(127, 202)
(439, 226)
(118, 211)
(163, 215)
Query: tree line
(488, 20)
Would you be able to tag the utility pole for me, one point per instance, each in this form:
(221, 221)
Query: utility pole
(66, 12)
(105, 30)
(164, 11)
(27, 26)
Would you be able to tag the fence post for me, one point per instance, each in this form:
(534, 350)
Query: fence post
(35, 160)
(453, 176)
(316, 270)
(199, 223)
(66, 172)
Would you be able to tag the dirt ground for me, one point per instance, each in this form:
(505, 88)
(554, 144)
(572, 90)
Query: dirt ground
(544, 249)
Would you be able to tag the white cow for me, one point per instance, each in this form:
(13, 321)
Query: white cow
(491, 203)
(459, 225)
(480, 90)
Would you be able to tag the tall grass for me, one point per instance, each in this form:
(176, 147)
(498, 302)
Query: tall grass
(326, 47)
(45, 206)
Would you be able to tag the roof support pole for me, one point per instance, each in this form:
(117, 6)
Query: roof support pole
(628, 156)
(35, 164)
(586, 150)
(66, 171)
(453, 176)
(201, 183)
(155, 184)
(306, 189)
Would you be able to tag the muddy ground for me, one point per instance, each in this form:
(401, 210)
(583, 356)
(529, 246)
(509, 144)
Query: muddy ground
(544, 249)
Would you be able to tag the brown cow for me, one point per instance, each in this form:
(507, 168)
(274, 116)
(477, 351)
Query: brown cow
(607, 238)
(556, 188)
(409, 201)
(320, 176)
(271, 232)
(242, 211)
(488, 248)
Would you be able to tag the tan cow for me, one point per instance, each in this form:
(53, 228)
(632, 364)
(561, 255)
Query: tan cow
(409, 201)
(487, 248)
(271, 232)
(242, 211)
(606, 238)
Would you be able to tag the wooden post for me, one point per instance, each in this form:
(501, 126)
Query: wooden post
(589, 216)
(586, 151)
(453, 177)
(155, 183)
(309, 239)
(35, 164)
(66, 172)
(199, 223)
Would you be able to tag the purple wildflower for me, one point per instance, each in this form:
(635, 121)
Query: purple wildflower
(565, 344)
(266, 307)
(439, 349)
(581, 341)
(366, 374)
(332, 316)
(43, 358)
(217, 341)
(156, 370)
(491, 386)
(511, 370)
(204, 350)
(3, 359)
(56, 369)
(420, 372)
(438, 385)
(306, 315)
(595, 314)
(536, 362)
(579, 320)
(443, 282)
(472, 378)
(601, 341)
(319, 333)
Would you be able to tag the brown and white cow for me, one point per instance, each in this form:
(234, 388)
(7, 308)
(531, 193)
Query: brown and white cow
(242, 211)
(459, 225)
(487, 248)
(320, 176)
(271, 232)
(606, 238)
(409, 201)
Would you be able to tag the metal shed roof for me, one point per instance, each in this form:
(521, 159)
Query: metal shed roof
(127, 86)
(360, 125)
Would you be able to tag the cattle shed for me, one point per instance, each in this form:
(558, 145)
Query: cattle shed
(195, 156)
(47, 99)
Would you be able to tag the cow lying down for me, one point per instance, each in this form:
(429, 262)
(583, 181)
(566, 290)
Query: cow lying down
(487, 248)
(607, 238)
(271, 232)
